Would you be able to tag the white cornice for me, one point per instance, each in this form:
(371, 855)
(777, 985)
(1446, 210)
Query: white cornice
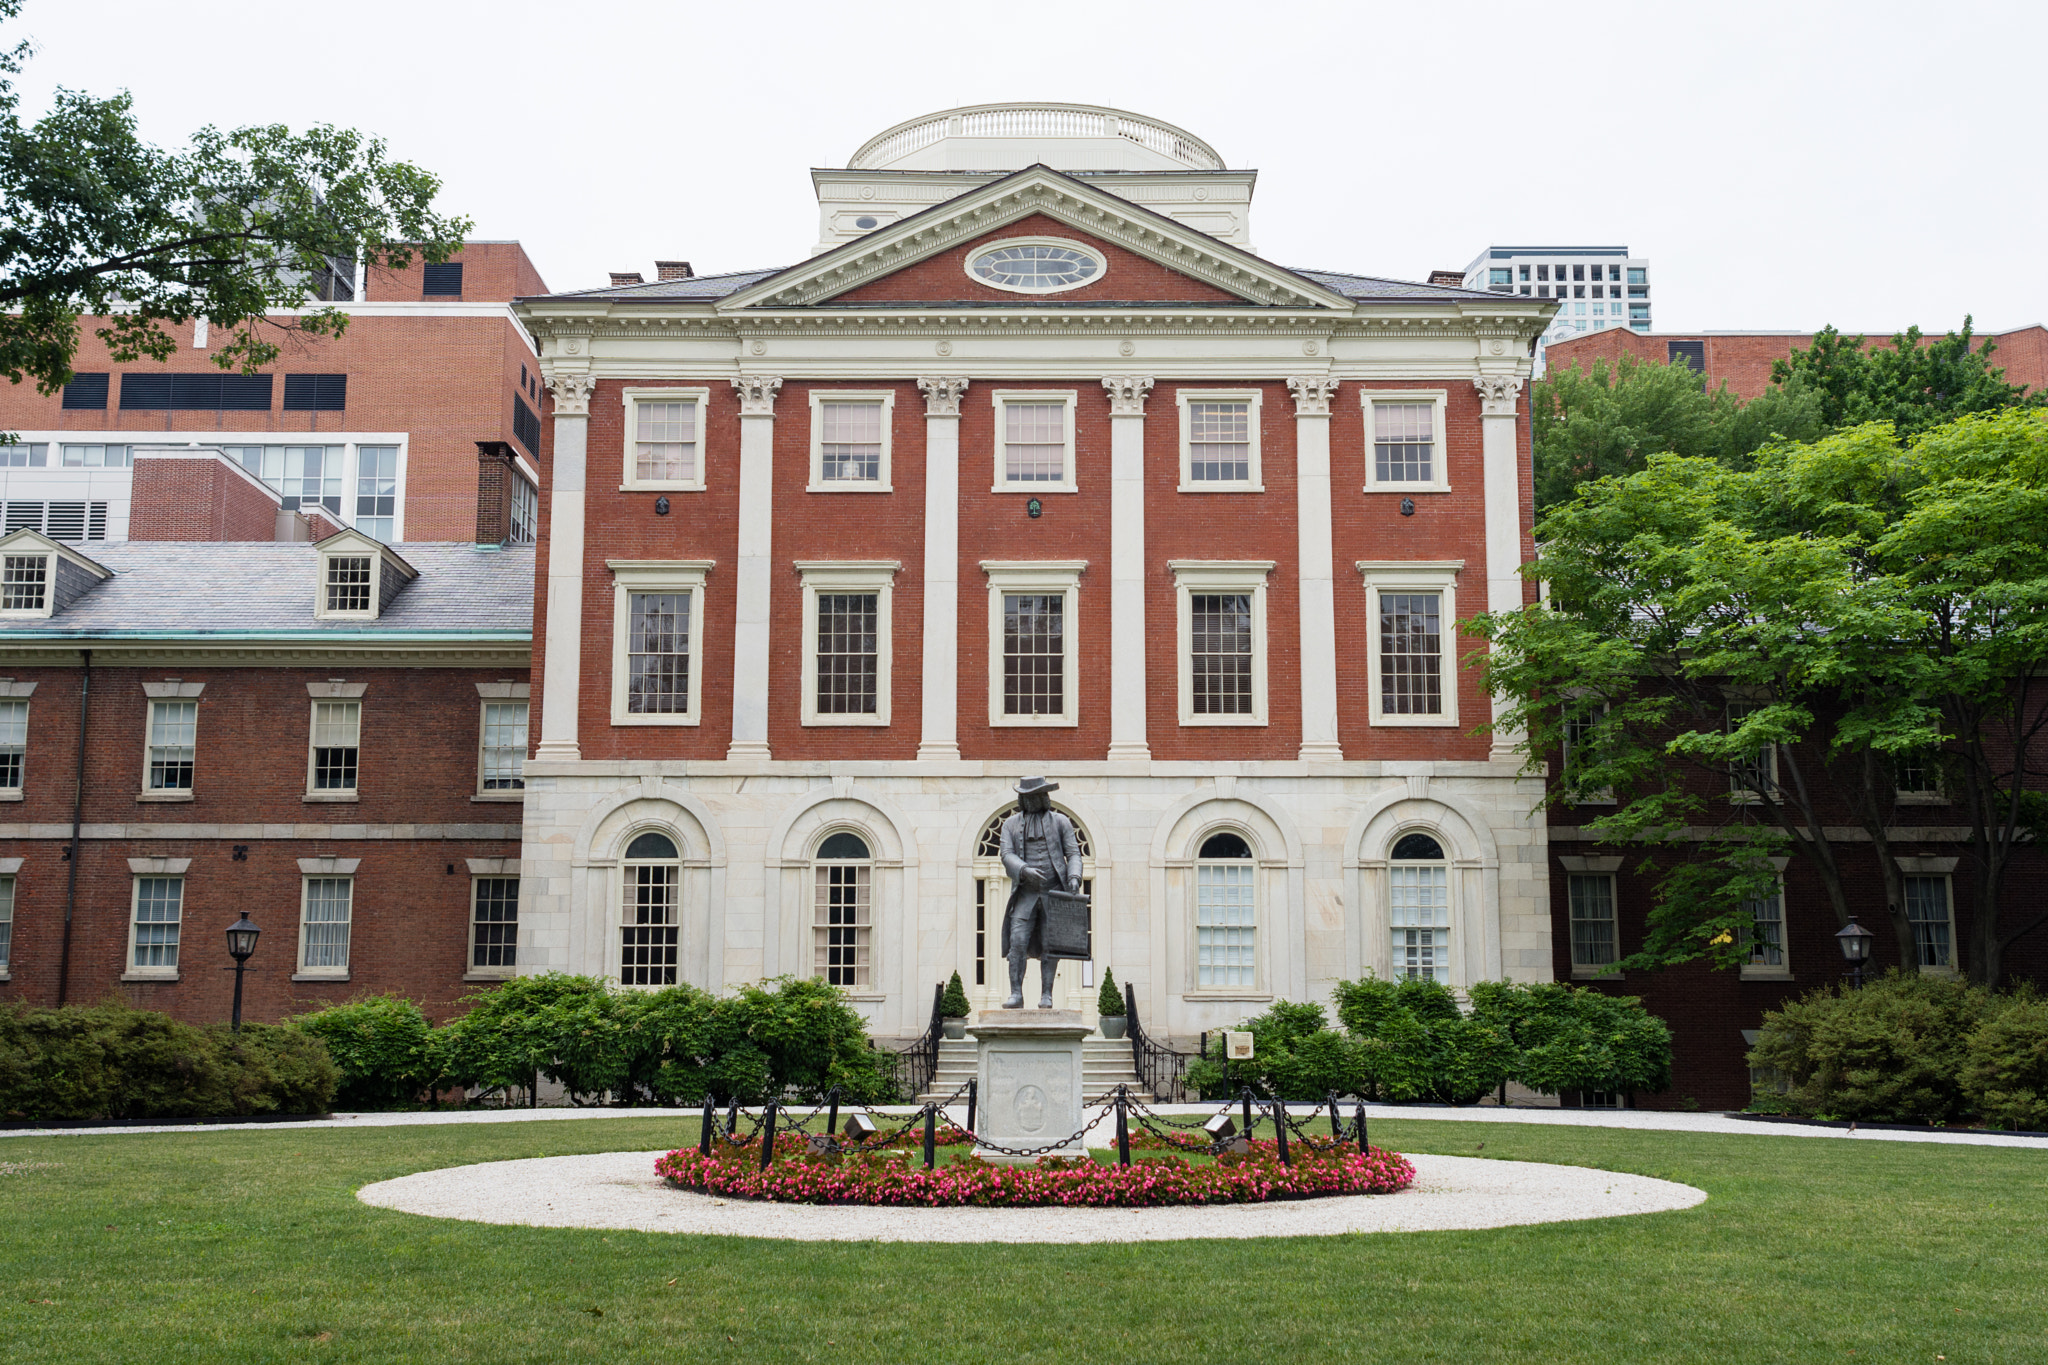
(988, 208)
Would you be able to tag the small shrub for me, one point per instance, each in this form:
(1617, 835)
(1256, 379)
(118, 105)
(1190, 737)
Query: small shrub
(1573, 1038)
(1415, 1045)
(1109, 1001)
(1892, 1051)
(383, 1046)
(954, 1004)
(1295, 1056)
(2005, 1064)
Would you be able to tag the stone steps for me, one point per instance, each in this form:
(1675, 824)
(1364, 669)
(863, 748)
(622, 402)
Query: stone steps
(1105, 1064)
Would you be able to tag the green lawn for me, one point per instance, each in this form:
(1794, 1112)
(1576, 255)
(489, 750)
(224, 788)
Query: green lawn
(250, 1246)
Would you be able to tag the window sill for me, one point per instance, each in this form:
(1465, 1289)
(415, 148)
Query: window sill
(1922, 799)
(1948, 972)
(1204, 722)
(1414, 722)
(320, 976)
(5, 977)
(1407, 489)
(865, 997)
(836, 722)
(1032, 723)
(11, 794)
(330, 798)
(661, 488)
(1594, 974)
(163, 796)
(1251, 997)
(849, 486)
(1766, 974)
(665, 718)
(1221, 488)
(1034, 488)
(499, 796)
(482, 976)
(170, 978)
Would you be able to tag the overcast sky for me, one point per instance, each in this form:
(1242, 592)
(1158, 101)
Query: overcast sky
(1783, 165)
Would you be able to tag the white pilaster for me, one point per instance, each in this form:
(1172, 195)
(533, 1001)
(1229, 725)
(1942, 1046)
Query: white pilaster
(1127, 638)
(561, 679)
(1497, 395)
(1312, 394)
(940, 738)
(756, 541)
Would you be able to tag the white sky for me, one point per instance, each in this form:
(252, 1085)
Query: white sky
(1783, 165)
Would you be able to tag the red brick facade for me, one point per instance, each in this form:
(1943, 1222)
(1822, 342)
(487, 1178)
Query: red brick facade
(200, 497)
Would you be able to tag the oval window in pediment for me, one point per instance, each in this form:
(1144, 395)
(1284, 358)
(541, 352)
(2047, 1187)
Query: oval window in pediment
(1028, 266)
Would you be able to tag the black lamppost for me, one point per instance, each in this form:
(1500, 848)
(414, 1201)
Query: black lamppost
(241, 943)
(1856, 941)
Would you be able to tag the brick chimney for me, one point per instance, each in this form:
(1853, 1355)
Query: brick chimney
(1454, 279)
(494, 474)
(622, 277)
(673, 270)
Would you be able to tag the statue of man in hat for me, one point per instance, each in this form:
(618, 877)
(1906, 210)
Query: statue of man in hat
(1040, 853)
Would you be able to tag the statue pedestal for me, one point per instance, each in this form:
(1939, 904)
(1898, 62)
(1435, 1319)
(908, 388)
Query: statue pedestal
(1028, 1080)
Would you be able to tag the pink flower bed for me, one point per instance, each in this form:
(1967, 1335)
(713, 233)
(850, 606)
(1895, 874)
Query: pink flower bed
(797, 1177)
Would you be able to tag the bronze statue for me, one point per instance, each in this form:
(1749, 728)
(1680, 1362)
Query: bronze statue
(1040, 853)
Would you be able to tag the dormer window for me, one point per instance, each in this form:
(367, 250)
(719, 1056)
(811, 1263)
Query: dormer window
(25, 585)
(359, 577)
(348, 585)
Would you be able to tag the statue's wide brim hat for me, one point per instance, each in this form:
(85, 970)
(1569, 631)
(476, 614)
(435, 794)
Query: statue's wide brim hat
(1036, 784)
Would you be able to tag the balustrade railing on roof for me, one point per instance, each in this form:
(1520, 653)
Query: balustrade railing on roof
(1050, 121)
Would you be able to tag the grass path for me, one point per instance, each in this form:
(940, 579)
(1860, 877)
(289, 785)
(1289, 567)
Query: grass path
(250, 1246)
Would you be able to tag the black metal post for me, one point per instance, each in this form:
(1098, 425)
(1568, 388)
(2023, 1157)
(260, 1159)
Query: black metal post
(832, 1118)
(1358, 1113)
(768, 1136)
(732, 1118)
(704, 1127)
(931, 1136)
(1123, 1130)
(972, 1096)
(1247, 1097)
(1280, 1129)
(240, 963)
(1336, 1118)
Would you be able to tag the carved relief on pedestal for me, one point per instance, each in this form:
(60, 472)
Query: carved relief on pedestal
(942, 394)
(1127, 394)
(757, 394)
(1312, 394)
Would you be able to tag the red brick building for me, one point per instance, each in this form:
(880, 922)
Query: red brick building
(329, 736)
(1742, 360)
(1033, 466)
(377, 429)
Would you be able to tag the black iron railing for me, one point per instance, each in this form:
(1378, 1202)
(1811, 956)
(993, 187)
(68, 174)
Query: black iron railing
(917, 1064)
(1162, 1071)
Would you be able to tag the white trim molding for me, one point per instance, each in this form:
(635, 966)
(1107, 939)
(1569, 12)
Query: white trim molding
(172, 687)
(1000, 399)
(1245, 576)
(875, 576)
(885, 399)
(1044, 577)
(1440, 478)
(631, 399)
(657, 576)
(1253, 481)
(1419, 575)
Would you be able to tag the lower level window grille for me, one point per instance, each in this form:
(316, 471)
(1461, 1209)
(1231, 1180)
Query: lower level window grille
(495, 939)
(649, 938)
(324, 932)
(159, 907)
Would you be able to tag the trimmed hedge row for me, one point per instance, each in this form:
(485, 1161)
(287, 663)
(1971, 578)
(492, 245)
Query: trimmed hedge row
(675, 1046)
(1908, 1048)
(1408, 1041)
(109, 1061)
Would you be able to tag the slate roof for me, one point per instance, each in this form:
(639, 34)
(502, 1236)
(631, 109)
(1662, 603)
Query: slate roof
(239, 590)
(696, 289)
(1379, 290)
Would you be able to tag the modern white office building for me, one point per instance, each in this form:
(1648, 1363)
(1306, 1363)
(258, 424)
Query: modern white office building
(1606, 287)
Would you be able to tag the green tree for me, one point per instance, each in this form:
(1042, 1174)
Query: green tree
(1598, 423)
(1733, 650)
(1915, 383)
(237, 229)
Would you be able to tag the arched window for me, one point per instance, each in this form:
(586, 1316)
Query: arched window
(1420, 908)
(651, 916)
(842, 919)
(1226, 919)
(992, 886)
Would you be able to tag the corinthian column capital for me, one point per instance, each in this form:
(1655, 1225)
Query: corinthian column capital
(757, 394)
(1127, 394)
(1312, 394)
(572, 394)
(942, 394)
(1497, 394)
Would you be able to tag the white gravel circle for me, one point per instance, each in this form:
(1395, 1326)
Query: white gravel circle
(620, 1190)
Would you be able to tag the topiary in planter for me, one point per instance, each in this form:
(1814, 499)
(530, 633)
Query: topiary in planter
(1109, 1001)
(953, 1005)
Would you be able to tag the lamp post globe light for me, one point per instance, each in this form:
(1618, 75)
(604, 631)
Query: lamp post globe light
(1856, 942)
(241, 943)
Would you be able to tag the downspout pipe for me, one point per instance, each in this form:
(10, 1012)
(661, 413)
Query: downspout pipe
(77, 821)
